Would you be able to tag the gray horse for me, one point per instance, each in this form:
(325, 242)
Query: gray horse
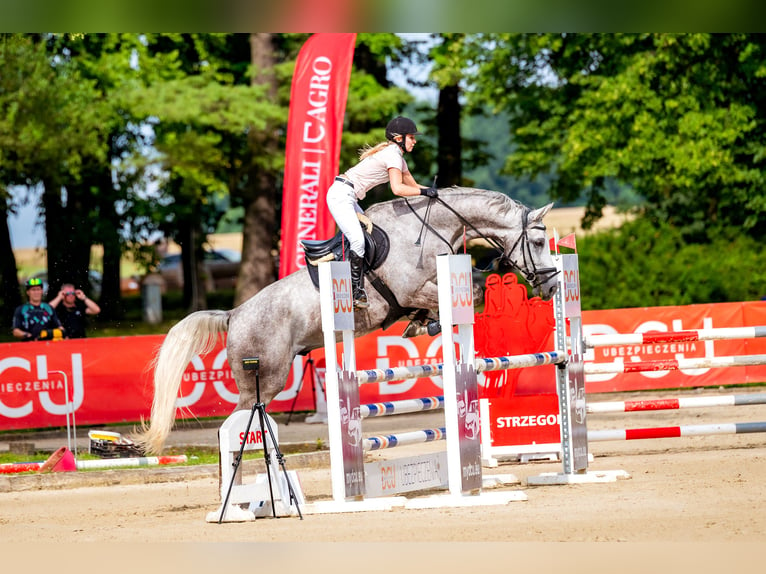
(283, 319)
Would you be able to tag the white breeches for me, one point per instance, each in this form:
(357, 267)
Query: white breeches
(343, 206)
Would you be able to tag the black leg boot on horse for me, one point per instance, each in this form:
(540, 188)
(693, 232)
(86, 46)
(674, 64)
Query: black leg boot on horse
(422, 324)
(357, 281)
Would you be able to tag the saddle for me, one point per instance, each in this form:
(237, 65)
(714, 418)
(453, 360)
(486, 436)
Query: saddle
(376, 247)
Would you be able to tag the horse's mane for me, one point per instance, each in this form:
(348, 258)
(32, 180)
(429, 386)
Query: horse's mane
(493, 200)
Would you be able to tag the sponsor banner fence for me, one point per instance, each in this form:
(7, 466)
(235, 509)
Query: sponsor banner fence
(109, 379)
(689, 317)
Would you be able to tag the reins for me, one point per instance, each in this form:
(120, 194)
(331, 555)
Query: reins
(535, 278)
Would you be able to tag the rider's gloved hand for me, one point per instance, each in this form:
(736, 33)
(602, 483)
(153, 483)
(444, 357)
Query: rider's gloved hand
(429, 192)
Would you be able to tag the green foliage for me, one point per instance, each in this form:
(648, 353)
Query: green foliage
(647, 263)
(34, 142)
(677, 117)
(673, 122)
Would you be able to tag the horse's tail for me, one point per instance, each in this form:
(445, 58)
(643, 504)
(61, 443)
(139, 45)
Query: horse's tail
(196, 334)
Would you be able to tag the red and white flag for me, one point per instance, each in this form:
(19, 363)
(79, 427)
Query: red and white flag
(566, 241)
(569, 241)
(314, 129)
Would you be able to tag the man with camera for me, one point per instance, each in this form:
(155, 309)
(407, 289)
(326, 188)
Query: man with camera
(72, 305)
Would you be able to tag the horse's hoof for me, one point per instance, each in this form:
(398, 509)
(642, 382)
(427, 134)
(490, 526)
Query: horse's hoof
(413, 329)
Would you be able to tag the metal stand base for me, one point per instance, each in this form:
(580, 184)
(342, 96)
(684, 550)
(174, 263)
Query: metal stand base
(592, 476)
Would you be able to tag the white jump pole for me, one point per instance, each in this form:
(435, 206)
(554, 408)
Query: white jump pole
(721, 334)
(675, 364)
(455, 284)
(570, 384)
(463, 456)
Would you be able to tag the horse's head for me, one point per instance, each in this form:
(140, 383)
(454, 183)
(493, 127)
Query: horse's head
(530, 253)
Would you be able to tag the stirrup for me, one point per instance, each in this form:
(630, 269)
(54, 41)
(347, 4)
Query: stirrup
(360, 299)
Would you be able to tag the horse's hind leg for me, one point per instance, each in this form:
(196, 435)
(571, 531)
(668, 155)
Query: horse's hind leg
(269, 377)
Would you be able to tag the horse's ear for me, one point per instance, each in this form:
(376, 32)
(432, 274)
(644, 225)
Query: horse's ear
(538, 214)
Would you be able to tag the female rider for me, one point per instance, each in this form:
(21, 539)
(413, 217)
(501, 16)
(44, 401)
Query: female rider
(380, 164)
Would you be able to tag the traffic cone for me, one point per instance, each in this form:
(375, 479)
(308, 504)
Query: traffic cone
(60, 461)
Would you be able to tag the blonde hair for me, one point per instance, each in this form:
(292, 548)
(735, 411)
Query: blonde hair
(367, 150)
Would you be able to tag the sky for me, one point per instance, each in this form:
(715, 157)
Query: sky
(26, 232)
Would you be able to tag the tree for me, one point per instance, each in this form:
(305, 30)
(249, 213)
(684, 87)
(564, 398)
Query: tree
(679, 118)
(449, 75)
(259, 193)
(203, 117)
(51, 124)
(373, 100)
(110, 180)
(457, 152)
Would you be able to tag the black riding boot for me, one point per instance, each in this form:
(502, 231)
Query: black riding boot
(357, 281)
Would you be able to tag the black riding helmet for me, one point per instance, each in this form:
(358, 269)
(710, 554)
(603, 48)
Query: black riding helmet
(401, 126)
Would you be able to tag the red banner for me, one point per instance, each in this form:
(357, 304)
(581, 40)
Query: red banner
(688, 317)
(108, 380)
(314, 128)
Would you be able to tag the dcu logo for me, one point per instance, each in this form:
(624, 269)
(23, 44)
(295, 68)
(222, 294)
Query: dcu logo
(37, 379)
(341, 292)
(462, 290)
(571, 285)
(200, 375)
(388, 477)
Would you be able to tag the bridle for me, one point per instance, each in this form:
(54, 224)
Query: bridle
(536, 277)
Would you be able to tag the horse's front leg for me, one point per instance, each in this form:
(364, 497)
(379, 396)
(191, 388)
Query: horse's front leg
(425, 321)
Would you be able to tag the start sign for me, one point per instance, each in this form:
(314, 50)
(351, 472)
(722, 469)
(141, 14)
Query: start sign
(235, 431)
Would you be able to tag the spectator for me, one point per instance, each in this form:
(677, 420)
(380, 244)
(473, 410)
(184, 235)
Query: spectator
(72, 305)
(35, 319)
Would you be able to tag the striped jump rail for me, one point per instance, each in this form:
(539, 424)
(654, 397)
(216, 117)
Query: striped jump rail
(592, 341)
(674, 364)
(673, 432)
(481, 365)
(15, 467)
(676, 403)
(401, 407)
(380, 442)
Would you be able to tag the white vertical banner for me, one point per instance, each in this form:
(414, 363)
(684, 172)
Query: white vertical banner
(343, 419)
(461, 406)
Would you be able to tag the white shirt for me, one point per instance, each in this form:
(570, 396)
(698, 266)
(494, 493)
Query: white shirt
(373, 170)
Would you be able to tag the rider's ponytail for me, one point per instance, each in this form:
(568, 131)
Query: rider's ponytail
(367, 151)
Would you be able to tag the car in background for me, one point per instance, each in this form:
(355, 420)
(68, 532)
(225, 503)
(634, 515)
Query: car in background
(222, 266)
